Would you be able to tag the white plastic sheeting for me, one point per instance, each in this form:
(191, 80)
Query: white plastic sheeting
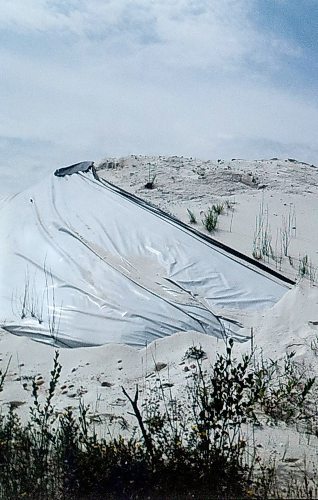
(83, 263)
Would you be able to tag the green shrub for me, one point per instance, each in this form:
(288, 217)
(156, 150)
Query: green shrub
(282, 389)
(218, 208)
(192, 447)
(210, 220)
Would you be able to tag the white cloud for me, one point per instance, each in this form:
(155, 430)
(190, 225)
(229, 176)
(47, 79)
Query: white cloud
(147, 76)
(202, 32)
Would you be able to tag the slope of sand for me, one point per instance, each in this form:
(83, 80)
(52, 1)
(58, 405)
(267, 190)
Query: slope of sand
(97, 374)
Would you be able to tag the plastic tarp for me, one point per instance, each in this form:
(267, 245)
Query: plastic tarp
(83, 166)
(84, 263)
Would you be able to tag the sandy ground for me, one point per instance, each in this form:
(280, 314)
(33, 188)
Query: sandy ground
(287, 191)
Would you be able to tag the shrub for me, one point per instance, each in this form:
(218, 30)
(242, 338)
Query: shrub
(194, 352)
(210, 220)
(282, 389)
(190, 448)
(177, 452)
(218, 208)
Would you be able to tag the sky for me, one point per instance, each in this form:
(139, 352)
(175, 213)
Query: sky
(86, 79)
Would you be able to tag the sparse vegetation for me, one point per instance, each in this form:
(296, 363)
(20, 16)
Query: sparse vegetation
(210, 220)
(229, 205)
(150, 184)
(210, 217)
(282, 390)
(218, 208)
(262, 244)
(303, 268)
(288, 229)
(43, 310)
(190, 448)
(306, 269)
(27, 305)
(194, 352)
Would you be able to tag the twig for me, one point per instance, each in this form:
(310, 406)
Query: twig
(134, 404)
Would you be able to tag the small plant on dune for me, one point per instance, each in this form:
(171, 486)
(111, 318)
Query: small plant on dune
(288, 229)
(282, 389)
(150, 184)
(30, 306)
(312, 273)
(27, 305)
(229, 205)
(192, 217)
(262, 244)
(210, 220)
(285, 240)
(24, 303)
(303, 269)
(53, 316)
(218, 208)
(306, 269)
(194, 352)
(222, 404)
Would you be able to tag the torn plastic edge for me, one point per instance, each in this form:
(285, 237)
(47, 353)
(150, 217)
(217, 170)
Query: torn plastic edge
(83, 166)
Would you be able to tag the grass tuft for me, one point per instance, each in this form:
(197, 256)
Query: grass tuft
(218, 208)
(192, 217)
(210, 220)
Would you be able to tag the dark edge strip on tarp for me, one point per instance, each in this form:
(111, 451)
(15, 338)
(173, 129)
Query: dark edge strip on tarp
(202, 236)
(86, 166)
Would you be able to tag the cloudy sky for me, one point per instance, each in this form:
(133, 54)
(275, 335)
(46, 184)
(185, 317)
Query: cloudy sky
(84, 79)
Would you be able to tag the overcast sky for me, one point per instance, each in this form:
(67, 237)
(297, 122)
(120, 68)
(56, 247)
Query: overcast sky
(85, 79)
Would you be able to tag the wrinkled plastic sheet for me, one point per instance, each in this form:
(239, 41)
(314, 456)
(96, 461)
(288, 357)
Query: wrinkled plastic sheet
(84, 263)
